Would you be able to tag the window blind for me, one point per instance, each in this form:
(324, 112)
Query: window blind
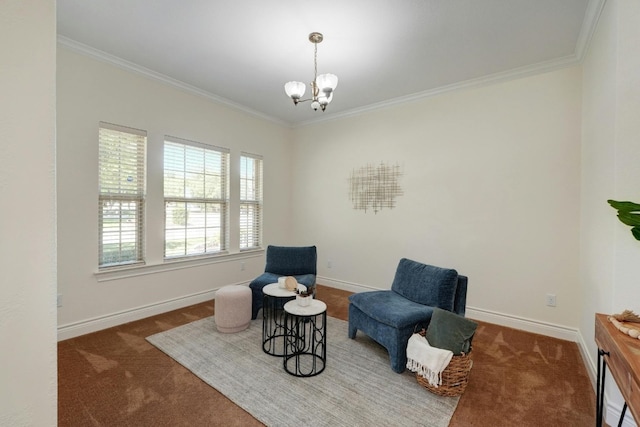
(250, 201)
(121, 165)
(196, 198)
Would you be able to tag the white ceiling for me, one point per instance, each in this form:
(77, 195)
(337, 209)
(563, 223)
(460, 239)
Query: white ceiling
(383, 51)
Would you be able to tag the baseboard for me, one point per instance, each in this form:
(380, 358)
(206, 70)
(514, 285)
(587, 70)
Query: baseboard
(344, 285)
(588, 360)
(95, 324)
(612, 415)
(502, 319)
(524, 324)
(612, 410)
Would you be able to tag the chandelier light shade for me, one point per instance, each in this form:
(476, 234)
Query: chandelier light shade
(322, 86)
(295, 90)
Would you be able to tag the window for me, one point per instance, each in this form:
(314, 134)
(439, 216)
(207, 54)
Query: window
(250, 201)
(195, 198)
(121, 165)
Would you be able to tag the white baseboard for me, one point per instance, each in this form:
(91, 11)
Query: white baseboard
(98, 323)
(612, 410)
(524, 324)
(516, 322)
(612, 414)
(95, 324)
(344, 285)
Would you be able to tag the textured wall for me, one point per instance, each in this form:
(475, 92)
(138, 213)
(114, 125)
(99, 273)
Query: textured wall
(28, 384)
(90, 91)
(490, 187)
(609, 263)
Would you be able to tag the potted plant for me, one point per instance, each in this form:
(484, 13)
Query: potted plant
(304, 295)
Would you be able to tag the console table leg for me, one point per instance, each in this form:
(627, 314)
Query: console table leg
(624, 409)
(602, 364)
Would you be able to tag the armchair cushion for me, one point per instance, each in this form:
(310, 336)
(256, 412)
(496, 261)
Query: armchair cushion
(437, 285)
(267, 278)
(384, 306)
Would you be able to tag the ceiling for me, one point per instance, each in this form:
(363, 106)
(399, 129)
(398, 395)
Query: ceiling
(383, 51)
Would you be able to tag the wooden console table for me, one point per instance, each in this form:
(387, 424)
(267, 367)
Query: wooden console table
(621, 353)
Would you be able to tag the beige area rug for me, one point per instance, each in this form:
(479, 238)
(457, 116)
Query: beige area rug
(357, 387)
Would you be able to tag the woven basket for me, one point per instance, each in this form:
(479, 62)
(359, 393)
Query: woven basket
(454, 378)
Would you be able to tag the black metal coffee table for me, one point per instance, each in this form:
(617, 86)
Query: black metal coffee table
(273, 327)
(305, 347)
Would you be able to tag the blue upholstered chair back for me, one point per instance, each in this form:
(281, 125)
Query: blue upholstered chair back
(291, 260)
(426, 284)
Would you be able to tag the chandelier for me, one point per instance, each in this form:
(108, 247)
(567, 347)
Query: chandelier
(322, 86)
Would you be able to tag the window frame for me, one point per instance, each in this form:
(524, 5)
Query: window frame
(123, 148)
(222, 202)
(250, 231)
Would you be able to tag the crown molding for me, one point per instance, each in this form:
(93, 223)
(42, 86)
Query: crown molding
(590, 22)
(516, 73)
(89, 51)
(589, 25)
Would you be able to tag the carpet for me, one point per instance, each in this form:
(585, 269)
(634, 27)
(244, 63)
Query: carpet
(357, 387)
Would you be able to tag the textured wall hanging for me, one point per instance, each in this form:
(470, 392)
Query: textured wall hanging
(375, 187)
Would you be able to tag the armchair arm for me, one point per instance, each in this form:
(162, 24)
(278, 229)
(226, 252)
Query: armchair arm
(460, 299)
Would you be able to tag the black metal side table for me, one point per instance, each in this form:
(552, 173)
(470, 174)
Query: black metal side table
(273, 327)
(305, 347)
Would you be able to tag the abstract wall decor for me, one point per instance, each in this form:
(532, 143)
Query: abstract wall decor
(375, 187)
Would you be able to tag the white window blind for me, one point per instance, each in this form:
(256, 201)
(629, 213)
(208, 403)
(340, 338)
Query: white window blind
(195, 197)
(250, 201)
(121, 181)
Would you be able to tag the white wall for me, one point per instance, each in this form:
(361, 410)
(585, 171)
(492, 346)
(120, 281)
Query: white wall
(491, 188)
(610, 256)
(90, 91)
(28, 382)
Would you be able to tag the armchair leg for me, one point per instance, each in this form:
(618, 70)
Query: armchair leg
(352, 331)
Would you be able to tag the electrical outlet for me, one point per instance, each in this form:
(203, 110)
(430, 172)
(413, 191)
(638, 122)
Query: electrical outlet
(59, 300)
(551, 300)
(329, 264)
(242, 266)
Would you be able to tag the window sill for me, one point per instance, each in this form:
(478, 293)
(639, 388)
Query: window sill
(116, 273)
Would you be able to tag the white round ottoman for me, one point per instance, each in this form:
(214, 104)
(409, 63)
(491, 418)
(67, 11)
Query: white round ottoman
(232, 311)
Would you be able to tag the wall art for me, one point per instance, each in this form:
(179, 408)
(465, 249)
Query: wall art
(374, 187)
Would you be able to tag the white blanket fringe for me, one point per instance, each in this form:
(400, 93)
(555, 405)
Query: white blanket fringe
(427, 361)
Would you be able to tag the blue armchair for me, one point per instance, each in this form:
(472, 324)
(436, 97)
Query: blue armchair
(299, 262)
(390, 316)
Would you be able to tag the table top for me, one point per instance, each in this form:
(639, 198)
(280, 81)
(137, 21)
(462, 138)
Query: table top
(274, 290)
(629, 347)
(314, 308)
(623, 360)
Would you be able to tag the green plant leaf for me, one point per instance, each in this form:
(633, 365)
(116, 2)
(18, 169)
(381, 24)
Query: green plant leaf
(628, 218)
(624, 206)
